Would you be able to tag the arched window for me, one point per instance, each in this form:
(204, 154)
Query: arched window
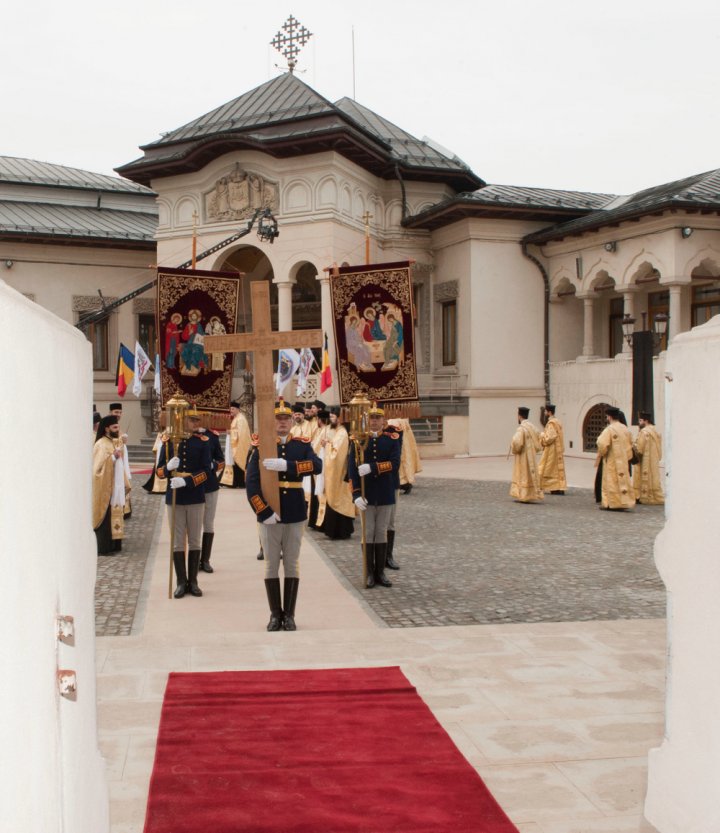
(593, 426)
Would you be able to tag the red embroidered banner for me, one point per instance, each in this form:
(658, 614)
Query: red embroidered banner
(373, 321)
(191, 304)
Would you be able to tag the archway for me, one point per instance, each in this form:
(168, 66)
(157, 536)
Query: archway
(593, 426)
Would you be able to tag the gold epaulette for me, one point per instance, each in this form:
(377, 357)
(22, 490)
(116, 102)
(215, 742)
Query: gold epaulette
(393, 436)
(254, 439)
(302, 439)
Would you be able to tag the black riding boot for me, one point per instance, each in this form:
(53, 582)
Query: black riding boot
(370, 564)
(380, 577)
(193, 567)
(181, 575)
(290, 591)
(272, 588)
(207, 542)
(389, 560)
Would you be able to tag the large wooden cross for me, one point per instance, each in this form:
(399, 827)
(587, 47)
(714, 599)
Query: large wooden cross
(261, 342)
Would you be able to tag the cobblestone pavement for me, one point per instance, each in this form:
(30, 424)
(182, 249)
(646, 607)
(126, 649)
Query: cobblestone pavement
(119, 577)
(469, 554)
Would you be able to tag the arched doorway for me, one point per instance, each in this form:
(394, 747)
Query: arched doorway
(593, 426)
(254, 265)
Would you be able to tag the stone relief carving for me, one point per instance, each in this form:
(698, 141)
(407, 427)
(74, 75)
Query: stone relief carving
(144, 306)
(89, 303)
(237, 195)
(447, 291)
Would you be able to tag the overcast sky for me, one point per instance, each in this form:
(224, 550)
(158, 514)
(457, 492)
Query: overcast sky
(611, 97)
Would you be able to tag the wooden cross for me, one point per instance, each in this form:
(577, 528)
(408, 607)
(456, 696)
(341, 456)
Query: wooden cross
(261, 342)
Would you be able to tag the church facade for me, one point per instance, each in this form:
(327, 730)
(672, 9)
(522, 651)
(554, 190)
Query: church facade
(519, 292)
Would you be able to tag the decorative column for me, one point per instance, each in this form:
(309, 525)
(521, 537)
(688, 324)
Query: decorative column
(675, 311)
(285, 322)
(588, 333)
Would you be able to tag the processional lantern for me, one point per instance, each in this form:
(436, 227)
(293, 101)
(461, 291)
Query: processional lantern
(358, 407)
(175, 412)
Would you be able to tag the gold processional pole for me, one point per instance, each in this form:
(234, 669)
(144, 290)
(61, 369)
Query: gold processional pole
(359, 407)
(176, 409)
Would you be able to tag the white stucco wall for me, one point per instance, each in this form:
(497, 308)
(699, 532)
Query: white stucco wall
(684, 773)
(52, 777)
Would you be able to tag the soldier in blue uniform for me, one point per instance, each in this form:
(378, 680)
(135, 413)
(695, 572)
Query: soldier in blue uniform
(188, 467)
(397, 434)
(379, 469)
(212, 490)
(282, 536)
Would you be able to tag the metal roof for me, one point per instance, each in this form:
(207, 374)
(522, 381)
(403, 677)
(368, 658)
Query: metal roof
(286, 118)
(694, 193)
(404, 146)
(17, 170)
(510, 202)
(63, 222)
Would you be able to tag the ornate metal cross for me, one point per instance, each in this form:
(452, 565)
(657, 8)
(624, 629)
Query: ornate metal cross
(291, 40)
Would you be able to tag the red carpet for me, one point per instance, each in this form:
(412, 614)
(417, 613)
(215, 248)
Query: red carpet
(339, 751)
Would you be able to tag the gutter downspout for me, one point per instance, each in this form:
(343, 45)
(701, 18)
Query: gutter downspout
(546, 318)
(402, 189)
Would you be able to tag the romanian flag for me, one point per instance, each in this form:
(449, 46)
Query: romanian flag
(125, 369)
(325, 372)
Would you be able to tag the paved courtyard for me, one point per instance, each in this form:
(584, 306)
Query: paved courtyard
(468, 554)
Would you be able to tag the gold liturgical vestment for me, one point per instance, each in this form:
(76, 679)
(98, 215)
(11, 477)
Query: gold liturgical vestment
(552, 463)
(239, 445)
(102, 485)
(338, 495)
(615, 447)
(525, 446)
(646, 473)
(409, 457)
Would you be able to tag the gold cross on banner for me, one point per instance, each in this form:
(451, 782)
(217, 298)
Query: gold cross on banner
(261, 342)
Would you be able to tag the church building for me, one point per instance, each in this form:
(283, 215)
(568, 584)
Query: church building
(519, 293)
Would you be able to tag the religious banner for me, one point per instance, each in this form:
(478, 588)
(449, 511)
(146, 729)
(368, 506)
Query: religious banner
(193, 304)
(373, 320)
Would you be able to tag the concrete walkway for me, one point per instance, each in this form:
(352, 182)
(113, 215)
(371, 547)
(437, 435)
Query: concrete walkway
(557, 718)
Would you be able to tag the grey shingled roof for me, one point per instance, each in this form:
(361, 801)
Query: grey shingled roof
(510, 202)
(404, 146)
(29, 219)
(700, 191)
(284, 98)
(17, 170)
(285, 117)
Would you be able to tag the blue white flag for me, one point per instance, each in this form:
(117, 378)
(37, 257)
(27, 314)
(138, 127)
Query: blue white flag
(306, 362)
(288, 363)
(142, 365)
(156, 384)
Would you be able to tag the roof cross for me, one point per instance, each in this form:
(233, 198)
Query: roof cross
(291, 40)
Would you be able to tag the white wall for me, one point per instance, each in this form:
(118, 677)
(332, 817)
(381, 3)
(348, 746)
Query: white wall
(52, 777)
(684, 773)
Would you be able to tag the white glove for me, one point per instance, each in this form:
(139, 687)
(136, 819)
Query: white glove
(177, 482)
(173, 464)
(273, 519)
(275, 464)
(361, 503)
(363, 469)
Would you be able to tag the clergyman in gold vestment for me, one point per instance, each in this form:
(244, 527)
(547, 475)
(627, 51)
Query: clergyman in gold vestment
(109, 487)
(552, 463)
(615, 449)
(525, 446)
(237, 445)
(646, 474)
(337, 510)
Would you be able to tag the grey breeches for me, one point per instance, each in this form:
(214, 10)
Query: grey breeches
(211, 502)
(188, 521)
(285, 539)
(376, 523)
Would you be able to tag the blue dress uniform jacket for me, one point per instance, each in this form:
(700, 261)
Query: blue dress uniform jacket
(383, 455)
(194, 468)
(301, 460)
(217, 461)
(396, 432)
